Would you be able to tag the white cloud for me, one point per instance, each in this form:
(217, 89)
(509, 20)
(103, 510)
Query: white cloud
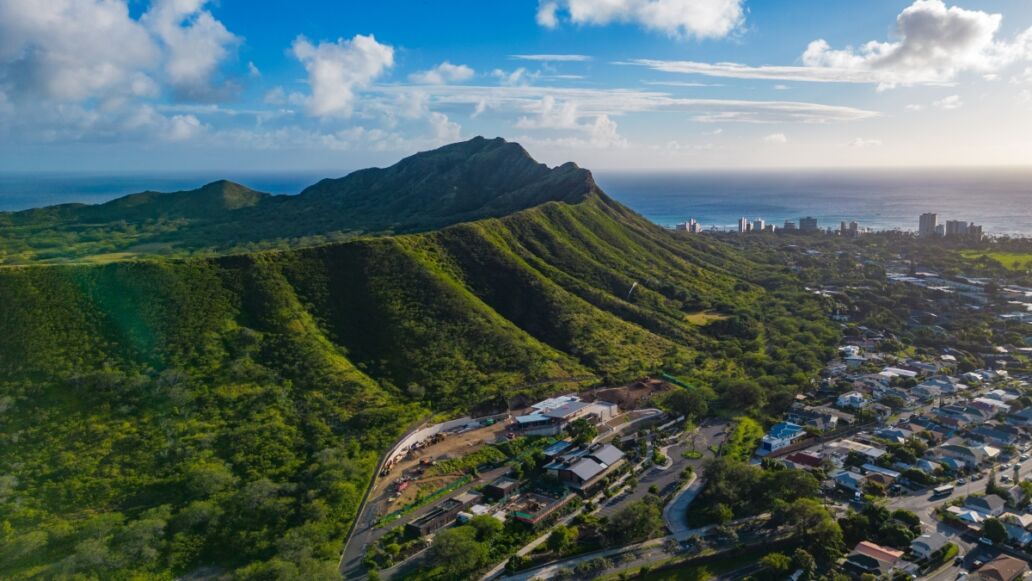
(514, 78)
(861, 143)
(949, 103)
(546, 14)
(195, 43)
(681, 18)
(442, 74)
(612, 102)
(46, 51)
(778, 138)
(552, 58)
(444, 130)
(336, 70)
(915, 107)
(253, 70)
(934, 44)
(679, 84)
(183, 127)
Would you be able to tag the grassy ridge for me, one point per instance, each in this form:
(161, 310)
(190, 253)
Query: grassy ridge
(160, 416)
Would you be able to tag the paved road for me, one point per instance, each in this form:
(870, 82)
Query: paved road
(710, 433)
(366, 533)
(924, 506)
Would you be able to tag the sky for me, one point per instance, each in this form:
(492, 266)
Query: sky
(147, 85)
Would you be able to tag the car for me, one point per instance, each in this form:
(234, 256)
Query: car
(1005, 467)
(1005, 478)
(1025, 457)
(959, 560)
(961, 481)
(986, 541)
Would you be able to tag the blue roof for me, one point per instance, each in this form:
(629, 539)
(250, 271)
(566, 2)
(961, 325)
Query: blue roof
(785, 430)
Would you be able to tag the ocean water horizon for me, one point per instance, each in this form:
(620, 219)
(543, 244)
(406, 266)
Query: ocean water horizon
(998, 199)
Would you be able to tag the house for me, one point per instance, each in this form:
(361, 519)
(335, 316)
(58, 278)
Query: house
(802, 461)
(501, 488)
(1002, 568)
(896, 435)
(994, 436)
(806, 416)
(995, 406)
(969, 456)
(838, 451)
(843, 417)
(965, 514)
(988, 505)
(854, 361)
(781, 435)
(851, 400)
(849, 480)
(1021, 419)
(925, 392)
(925, 545)
(583, 468)
(551, 416)
(1016, 528)
(898, 372)
(872, 469)
(442, 515)
(868, 557)
(880, 411)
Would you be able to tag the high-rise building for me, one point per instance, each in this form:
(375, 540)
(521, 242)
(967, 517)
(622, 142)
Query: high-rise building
(926, 224)
(956, 228)
(743, 224)
(940, 230)
(789, 226)
(758, 225)
(975, 232)
(770, 228)
(808, 224)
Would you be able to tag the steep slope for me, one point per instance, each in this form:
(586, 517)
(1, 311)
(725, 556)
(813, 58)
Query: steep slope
(160, 416)
(461, 182)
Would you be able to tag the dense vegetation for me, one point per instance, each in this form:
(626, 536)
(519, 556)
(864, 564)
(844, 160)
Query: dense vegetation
(161, 416)
(461, 182)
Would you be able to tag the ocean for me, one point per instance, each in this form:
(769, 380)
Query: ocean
(998, 199)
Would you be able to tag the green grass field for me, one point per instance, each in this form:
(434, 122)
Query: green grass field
(704, 318)
(1009, 260)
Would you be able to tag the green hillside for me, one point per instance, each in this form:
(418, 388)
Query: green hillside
(158, 417)
(464, 181)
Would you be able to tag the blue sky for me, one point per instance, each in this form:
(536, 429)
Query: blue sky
(624, 84)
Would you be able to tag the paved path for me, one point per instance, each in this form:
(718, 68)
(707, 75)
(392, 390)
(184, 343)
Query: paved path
(367, 533)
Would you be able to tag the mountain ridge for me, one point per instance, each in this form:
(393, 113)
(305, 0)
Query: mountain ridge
(228, 410)
(460, 182)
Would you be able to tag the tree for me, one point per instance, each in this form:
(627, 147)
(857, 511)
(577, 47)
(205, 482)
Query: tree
(994, 530)
(561, 539)
(486, 526)
(457, 551)
(777, 565)
(690, 403)
(803, 560)
(639, 521)
(582, 431)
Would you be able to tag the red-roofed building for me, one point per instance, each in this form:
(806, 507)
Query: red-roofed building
(802, 460)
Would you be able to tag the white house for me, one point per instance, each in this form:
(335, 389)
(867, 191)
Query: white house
(853, 400)
(781, 435)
